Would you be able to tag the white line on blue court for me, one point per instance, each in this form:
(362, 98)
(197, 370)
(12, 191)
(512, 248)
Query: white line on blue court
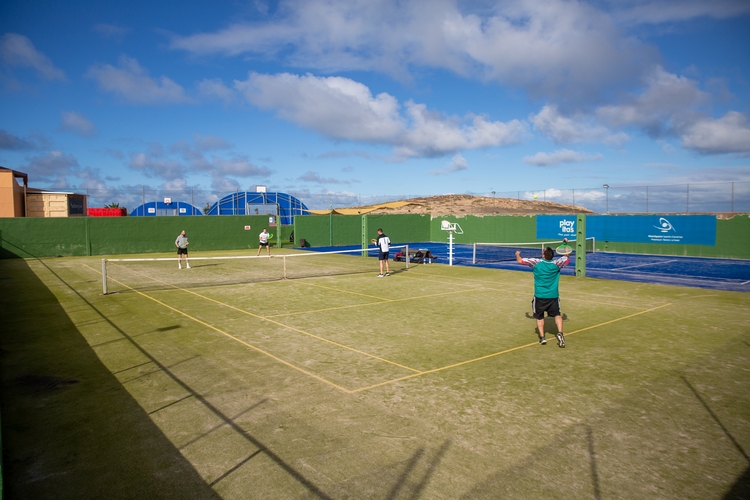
(643, 265)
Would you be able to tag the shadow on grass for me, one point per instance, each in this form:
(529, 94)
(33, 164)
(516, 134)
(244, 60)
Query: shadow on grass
(229, 421)
(402, 484)
(86, 437)
(70, 430)
(741, 488)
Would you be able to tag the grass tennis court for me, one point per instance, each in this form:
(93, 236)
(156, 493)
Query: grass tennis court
(425, 384)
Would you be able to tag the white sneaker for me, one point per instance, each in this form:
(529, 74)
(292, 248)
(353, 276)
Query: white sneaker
(380, 275)
(188, 266)
(179, 266)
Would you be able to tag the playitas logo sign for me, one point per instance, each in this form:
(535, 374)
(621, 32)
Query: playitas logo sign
(568, 227)
(555, 227)
(673, 229)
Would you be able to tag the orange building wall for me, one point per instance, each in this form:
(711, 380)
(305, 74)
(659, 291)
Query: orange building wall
(11, 196)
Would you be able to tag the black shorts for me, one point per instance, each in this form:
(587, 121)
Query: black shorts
(383, 255)
(264, 244)
(551, 306)
(181, 251)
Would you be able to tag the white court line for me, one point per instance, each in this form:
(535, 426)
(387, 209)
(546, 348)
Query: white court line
(672, 276)
(642, 265)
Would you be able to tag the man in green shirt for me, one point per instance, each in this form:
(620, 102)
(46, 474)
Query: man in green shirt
(546, 294)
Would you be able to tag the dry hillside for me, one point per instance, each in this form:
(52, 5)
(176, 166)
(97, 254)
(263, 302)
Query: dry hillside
(462, 204)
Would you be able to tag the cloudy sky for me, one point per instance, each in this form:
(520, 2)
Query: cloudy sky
(362, 98)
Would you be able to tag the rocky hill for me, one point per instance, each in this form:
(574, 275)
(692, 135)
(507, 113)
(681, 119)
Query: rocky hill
(461, 204)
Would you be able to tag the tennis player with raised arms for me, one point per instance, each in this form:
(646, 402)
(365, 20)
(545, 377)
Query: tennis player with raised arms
(546, 293)
(182, 243)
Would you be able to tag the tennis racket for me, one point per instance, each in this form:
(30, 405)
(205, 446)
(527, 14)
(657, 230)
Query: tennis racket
(373, 241)
(564, 249)
(270, 236)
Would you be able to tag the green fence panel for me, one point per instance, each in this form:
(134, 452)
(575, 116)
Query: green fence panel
(488, 229)
(32, 237)
(400, 228)
(129, 235)
(37, 237)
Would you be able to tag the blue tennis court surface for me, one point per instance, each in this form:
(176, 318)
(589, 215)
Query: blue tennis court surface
(715, 274)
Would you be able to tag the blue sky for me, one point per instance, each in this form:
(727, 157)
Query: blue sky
(337, 101)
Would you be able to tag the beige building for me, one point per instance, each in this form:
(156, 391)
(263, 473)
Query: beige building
(13, 186)
(17, 199)
(54, 204)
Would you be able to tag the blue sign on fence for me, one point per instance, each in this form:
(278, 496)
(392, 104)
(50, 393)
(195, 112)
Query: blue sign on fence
(678, 229)
(555, 227)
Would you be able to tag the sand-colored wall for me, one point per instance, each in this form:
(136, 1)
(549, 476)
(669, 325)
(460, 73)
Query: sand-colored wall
(11, 196)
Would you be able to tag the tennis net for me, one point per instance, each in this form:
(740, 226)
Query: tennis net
(485, 253)
(162, 273)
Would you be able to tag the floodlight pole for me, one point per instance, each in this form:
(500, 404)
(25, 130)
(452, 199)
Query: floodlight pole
(606, 189)
(450, 247)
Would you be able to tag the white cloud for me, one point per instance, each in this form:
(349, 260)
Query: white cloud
(667, 102)
(728, 134)
(52, 169)
(560, 156)
(132, 82)
(666, 11)
(555, 48)
(238, 166)
(316, 178)
(334, 106)
(17, 50)
(154, 167)
(161, 162)
(581, 128)
(673, 106)
(14, 143)
(431, 134)
(343, 109)
(214, 88)
(70, 121)
(224, 184)
(457, 164)
(210, 142)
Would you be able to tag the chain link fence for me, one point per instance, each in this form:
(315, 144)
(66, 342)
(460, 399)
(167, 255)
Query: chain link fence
(718, 197)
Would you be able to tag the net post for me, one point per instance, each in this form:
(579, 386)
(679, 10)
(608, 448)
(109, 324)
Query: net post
(474, 254)
(104, 276)
(283, 258)
(406, 255)
(365, 241)
(580, 262)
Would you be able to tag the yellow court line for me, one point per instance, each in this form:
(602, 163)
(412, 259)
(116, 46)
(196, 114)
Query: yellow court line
(530, 288)
(207, 325)
(503, 352)
(384, 301)
(414, 375)
(276, 323)
(347, 291)
(563, 299)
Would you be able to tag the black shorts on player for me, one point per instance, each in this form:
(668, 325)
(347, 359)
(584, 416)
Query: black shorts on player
(182, 251)
(550, 306)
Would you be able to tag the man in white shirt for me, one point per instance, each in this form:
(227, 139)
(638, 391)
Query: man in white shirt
(384, 245)
(182, 243)
(263, 238)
